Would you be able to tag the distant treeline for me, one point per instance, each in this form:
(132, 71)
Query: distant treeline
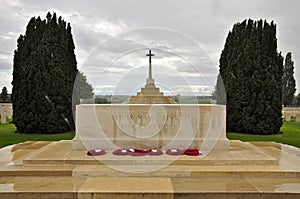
(96, 100)
(8, 100)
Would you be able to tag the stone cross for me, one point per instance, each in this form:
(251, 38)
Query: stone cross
(150, 80)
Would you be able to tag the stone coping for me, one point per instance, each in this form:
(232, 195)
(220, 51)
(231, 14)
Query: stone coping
(184, 105)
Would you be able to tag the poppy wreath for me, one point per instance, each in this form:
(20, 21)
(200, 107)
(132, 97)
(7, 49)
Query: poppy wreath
(120, 152)
(192, 152)
(96, 152)
(136, 152)
(154, 152)
(175, 152)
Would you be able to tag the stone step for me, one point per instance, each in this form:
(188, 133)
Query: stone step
(182, 178)
(15, 154)
(236, 187)
(14, 171)
(148, 187)
(61, 153)
(80, 158)
(184, 171)
(150, 171)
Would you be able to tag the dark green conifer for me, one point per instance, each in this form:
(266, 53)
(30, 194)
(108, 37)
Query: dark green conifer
(86, 89)
(251, 70)
(44, 72)
(220, 94)
(288, 81)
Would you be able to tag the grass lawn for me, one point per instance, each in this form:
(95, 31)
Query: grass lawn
(8, 136)
(290, 136)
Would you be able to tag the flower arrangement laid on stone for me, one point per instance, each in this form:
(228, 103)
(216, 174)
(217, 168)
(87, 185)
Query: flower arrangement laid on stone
(192, 152)
(175, 152)
(137, 152)
(142, 152)
(189, 152)
(96, 152)
(120, 152)
(155, 152)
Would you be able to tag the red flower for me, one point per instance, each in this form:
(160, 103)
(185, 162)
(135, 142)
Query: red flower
(154, 152)
(120, 152)
(96, 152)
(175, 152)
(136, 152)
(192, 152)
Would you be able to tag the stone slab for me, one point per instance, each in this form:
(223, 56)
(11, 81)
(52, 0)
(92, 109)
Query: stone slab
(152, 187)
(128, 185)
(188, 171)
(297, 117)
(5, 112)
(15, 171)
(3, 118)
(151, 126)
(66, 187)
(279, 179)
(61, 153)
(288, 116)
(278, 185)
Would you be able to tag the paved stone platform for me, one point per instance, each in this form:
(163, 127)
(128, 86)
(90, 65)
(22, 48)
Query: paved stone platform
(53, 170)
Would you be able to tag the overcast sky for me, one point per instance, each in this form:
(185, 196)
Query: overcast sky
(112, 38)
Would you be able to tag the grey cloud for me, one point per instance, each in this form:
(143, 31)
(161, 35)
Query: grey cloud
(207, 22)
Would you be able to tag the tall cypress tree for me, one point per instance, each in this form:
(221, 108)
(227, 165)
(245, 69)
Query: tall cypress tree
(86, 89)
(220, 93)
(44, 71)
(297, 98)
(288, 81)
(251, 69)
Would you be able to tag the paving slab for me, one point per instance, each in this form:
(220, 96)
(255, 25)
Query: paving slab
(54, 170)
(62, 153)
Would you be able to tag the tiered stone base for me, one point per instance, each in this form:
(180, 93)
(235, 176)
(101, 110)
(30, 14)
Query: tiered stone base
(150, 94)
(54, 170)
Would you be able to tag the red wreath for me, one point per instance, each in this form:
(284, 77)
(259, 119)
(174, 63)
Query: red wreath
(120, 152)
(154, 152)
(192, 152)
(189, 152)
(175, 152)
(136, 152)
(96, 152)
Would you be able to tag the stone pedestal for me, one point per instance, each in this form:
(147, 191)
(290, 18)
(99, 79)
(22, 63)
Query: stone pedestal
(3, 117)
(288, 117)
(151, 126)
(297, 117)
(5, 112)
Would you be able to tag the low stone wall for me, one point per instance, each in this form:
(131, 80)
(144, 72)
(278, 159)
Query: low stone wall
(288, 112)
(6, 111)
(151, 126)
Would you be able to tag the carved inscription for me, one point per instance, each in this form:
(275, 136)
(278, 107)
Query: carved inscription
(129, 121)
